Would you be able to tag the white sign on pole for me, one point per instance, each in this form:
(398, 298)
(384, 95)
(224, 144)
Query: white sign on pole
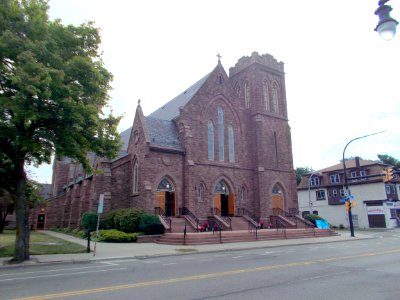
(101, 204)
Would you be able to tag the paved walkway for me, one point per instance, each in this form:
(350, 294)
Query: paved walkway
(110, 251)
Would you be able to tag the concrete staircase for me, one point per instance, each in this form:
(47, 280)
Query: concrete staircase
(239, 223)
(202, 238)
(178, 225)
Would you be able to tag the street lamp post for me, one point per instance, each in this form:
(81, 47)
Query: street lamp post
(347, 191)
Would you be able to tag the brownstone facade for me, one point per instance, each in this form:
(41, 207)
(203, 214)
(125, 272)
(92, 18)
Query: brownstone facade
(222, 145)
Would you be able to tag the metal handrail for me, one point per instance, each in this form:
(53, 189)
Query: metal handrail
(217, 212)
(280, 225)
(245, 212)
(159, 211)
(184, 211)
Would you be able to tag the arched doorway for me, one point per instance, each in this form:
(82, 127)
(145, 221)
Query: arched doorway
(224, 201)
(166, 197)
(277, 202)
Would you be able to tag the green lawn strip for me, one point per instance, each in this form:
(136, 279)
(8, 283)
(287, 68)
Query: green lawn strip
(39, 244)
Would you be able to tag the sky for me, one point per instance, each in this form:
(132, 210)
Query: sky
(341, 78)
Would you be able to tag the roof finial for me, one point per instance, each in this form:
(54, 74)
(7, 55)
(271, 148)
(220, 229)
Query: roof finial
(219, 57)
(138, 102)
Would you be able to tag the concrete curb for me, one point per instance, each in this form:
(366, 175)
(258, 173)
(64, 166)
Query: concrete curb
(43, 260)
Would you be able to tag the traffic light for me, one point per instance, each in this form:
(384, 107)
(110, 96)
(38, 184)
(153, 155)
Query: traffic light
(390, 174)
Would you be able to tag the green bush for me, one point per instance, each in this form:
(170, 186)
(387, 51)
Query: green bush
(109, 219)
(116, 236)
(124, 219)
(150, 224)
(89, 221)
(312, 218)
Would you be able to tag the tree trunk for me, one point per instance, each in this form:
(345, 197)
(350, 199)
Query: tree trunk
(21, 252)
(2, 221)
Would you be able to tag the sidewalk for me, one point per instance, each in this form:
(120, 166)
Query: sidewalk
(110, 251)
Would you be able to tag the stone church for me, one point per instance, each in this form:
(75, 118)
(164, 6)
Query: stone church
(220, 148)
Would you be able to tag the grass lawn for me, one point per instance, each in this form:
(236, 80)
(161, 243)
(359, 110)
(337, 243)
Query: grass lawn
(40, 243)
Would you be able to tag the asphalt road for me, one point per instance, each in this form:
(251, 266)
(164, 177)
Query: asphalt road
(363, 269)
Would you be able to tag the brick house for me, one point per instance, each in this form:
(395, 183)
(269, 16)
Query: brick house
(221, 147)
(376, 203)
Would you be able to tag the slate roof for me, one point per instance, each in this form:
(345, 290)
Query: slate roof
(163, 133)
(162, 130)
(170, 110)
(125, 136)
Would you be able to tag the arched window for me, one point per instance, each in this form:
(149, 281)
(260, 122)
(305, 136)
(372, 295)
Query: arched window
(231, 144)
(266, 96)
(165, 185)
(221, 142)
(136, 177)
(210, 140)
(237, 88)
(247, 95)
(275, 107)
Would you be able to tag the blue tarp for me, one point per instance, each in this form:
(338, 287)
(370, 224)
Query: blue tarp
(322, 224)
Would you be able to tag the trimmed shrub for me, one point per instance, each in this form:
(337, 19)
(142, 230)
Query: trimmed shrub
(116, 236)
(126, 219)
(109, 219)
(150, 224)
(312, 218)
(89, 221)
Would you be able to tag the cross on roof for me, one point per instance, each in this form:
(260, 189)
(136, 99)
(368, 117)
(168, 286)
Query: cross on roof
(219, 57)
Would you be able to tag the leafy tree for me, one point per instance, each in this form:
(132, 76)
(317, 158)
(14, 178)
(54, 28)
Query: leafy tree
(387, 159)
(300, 171)
(53, 87)
(6, 207)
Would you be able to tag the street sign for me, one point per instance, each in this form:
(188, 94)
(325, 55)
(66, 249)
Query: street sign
(101, 204)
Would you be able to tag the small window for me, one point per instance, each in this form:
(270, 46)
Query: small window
(393, 213)
(342, 193)
(315, 181)
(334, 193)
(353, 174)
(363, 173)
(335, 178)
(320, 195)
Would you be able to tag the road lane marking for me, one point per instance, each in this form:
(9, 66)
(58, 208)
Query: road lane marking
(60, 274)
(170, 264)
(49, 271)
(204, 276)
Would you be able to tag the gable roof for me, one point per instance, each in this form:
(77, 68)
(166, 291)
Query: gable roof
(351, 163)
(170, 110)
